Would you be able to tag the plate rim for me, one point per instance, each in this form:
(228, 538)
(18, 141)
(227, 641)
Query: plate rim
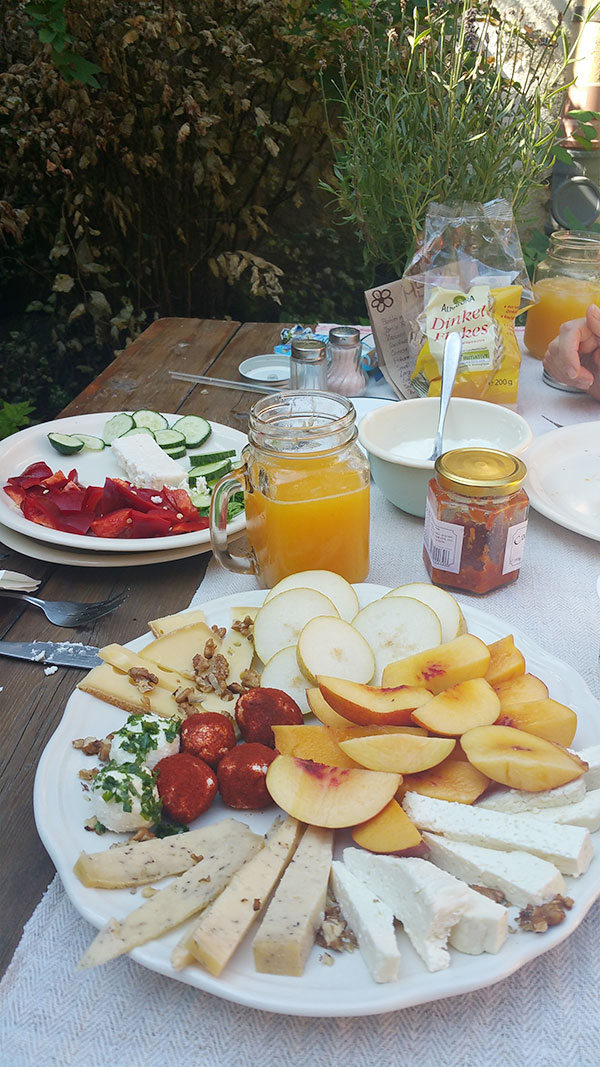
(378, 999)
(14, 519)
(535, 452)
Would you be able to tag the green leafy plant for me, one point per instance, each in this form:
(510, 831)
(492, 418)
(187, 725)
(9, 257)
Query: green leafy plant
(447, 101)
(14, 417)
(50, 20)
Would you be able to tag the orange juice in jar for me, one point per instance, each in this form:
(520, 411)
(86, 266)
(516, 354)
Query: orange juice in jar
(306, 491)
(566, 282)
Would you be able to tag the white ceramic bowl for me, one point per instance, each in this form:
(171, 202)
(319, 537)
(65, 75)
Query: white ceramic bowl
(398, 438)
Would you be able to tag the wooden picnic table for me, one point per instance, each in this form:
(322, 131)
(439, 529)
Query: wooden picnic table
(33, 702)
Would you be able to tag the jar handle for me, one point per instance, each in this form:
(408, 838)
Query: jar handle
(219, 504)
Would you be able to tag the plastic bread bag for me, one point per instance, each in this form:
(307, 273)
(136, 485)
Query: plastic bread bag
(468, 276)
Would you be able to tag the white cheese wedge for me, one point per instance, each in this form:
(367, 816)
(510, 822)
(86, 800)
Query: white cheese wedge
(114, 687)
(371, 921)
(182, 898)
(516, 800)
(123, 659)
(585, 812)
(175, 651)
(427, 901)
(146, 464)
(228, 919)
(523, 879)
(287, 932)
(142, 862)
(568, 847)
(167, 623)
(482, 928)
(591, 756)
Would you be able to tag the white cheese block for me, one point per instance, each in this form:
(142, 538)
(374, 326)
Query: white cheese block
(287, 932)
(482, 928)
(517, 800)
(146, 464)
(568, 847)
(223, 925)
(591, 756)
(371, 921)
(427, 901)
(183, 897)
(585, 812)
(523, 879)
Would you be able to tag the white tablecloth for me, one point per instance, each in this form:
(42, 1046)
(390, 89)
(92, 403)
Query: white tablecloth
(546, 1014)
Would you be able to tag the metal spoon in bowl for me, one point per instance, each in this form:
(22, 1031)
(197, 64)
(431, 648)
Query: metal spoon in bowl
(450, 361)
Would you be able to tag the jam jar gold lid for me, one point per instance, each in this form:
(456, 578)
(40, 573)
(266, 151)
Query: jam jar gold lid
(480, 472)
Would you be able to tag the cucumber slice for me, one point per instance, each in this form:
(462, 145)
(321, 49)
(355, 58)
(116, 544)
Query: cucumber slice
(194, 428)
(65, 443)
(93, 444)
(116, 427)
(165, 438)
(212, 471)
(200, 499)
(175, 451)
(138, 429)
(211, 457)
(153, 420)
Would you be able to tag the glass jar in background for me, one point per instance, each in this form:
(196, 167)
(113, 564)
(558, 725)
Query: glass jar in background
(308, 364)
(345, 374)
(475, 519)
(306, 490)
(565, 282)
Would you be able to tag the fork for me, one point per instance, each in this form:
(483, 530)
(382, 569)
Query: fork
(69, 612)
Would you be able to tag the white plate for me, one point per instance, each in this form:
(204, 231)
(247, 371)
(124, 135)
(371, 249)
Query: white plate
(32, 445)
(563, 479)
(269, 368)
(346, 988)
(72, 557)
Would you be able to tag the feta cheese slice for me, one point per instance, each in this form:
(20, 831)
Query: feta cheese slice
(516, 800)
(146, 464)
(568, 847)
(482, 928)
(591, 755)
(523, 879)
(427, 901)
(371, 921)
(585, 812)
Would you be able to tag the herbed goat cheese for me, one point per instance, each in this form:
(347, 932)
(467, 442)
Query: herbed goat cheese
(124, 797)
(146, 464)
(568, 847)
(371, 921)
(145, 739)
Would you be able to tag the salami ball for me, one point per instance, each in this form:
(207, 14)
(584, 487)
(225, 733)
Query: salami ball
(259, 709)
(186, 785)
(241, 774)
(207, 735)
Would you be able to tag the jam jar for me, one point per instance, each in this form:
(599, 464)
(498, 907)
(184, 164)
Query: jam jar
(475, 519)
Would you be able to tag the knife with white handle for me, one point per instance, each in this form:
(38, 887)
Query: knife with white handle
(61, 653)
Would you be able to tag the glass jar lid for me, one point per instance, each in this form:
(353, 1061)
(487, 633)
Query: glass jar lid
(480, 472)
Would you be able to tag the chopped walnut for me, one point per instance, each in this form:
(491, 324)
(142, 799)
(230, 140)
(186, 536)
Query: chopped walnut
(142, 834)
(185, 696)
(94, 746)
(250, 679)
(200, 663)
(327, 959)
(142, 678)
(220, 631)
(552, 913)
(256, 906)
(492, 894)
(334, 931)
(88, 774)
(93, 825)
(244, 626)
(211, 647)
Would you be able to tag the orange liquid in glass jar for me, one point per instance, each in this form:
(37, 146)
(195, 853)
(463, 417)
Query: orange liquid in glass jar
(309, 514)
(560, 299)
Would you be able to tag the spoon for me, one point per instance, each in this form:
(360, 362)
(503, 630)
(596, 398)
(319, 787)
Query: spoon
(450, 361)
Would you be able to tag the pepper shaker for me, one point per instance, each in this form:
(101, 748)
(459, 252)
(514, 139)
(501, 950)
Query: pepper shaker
(308, 364)
(345, 374)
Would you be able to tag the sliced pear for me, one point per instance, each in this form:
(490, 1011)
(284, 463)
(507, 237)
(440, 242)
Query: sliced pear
(339, 591)
(334, 647)
(445, 605)
(396, 627)
(282, 672)
(279, 621)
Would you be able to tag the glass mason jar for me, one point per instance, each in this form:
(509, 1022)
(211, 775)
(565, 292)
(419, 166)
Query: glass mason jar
(475, 519)
(306, 490)
(565, 283)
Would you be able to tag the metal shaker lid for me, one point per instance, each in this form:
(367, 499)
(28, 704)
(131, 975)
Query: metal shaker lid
(344, 335)
(307, 350)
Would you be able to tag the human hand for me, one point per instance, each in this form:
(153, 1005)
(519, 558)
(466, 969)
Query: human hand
(574, 356)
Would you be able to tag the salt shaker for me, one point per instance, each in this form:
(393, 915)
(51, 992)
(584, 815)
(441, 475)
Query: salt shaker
(345, 374)
(308, 364)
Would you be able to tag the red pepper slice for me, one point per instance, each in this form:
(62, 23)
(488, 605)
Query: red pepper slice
(55, 481)
(144, 524)
(35, 471)
(111, 525)
(189, 527)
(93, 496)
(120, 494)
(42, 511)
(179, 501)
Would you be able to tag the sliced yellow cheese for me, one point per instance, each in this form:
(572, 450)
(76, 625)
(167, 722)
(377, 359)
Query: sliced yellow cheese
(238, 651)
(182, 898)
(141, 862)
(230, 916)
(116, 688)
(123, 659)
(168, 623)
(243, 613)
(287, 932)
(176, 650)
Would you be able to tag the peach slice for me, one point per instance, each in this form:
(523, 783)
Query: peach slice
(454, 779)
(459, 708)
(519, 759)
(544, 718)
(323, 711)
(370, 704)
(521, 690)
(505, 661)
(400, 753)
(328, 796)
(438, 668)
(390, 830)
(317, 743)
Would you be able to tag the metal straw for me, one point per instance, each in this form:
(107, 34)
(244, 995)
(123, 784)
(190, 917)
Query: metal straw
(222, 383)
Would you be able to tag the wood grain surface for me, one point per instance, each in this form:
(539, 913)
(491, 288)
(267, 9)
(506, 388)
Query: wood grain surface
(32, 702)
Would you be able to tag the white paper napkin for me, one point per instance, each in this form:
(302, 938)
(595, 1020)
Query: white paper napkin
(14, 580)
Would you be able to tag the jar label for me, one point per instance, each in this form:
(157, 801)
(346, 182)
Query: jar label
(468, 314)
(443, 541)
(515, 547)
